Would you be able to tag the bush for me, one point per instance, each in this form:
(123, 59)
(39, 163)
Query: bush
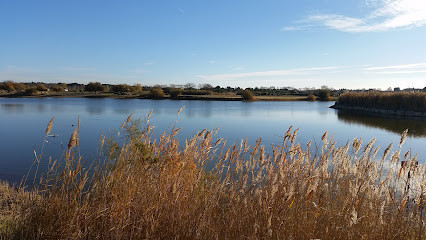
(324, 94)
(8, 86)
(137, 88)
(175, 92)
(31, 91)
(311, 98)
(94, 87)
(56, 88)
(156, 93)
(120, 88)
(247, 95)
(41, 87)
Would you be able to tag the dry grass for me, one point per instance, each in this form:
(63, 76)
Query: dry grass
(12, 203)
(405, 101)
(146, 188)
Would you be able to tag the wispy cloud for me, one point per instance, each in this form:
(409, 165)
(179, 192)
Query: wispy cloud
(387, 15)
(295, 71)
(399, 69)
(237, 68)
(291, 28)
(13, 68)
(77, 69)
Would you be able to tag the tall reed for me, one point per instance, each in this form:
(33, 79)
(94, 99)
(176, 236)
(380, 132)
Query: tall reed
(405, 101)
(159, 188)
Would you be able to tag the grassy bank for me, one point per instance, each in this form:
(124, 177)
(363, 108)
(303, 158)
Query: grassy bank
(146, 188)
(403, 101)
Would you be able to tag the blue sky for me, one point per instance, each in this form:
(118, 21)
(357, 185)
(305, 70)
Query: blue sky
(246, 43)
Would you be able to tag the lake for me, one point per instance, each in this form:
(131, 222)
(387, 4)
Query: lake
(23, 122)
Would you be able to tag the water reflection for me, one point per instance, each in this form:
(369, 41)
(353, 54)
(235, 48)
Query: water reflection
(416, 127)
(11, 107)
(97, 108)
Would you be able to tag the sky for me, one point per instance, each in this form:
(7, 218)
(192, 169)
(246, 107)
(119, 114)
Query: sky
(350, 44)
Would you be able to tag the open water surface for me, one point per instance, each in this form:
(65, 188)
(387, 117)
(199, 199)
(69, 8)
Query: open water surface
(23, 122)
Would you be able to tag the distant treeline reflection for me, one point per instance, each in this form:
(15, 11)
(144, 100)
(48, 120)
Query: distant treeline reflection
(395, 124)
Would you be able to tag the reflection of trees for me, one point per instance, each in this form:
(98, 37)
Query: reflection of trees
(12, 107)
(395, 124)
(95, 106)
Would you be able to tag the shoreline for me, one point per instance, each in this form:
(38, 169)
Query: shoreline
(138, 96)
(388, 112)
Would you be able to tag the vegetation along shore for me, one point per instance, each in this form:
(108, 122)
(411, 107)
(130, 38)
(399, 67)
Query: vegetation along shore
(177, 92)
(411, 104)
(145, 188)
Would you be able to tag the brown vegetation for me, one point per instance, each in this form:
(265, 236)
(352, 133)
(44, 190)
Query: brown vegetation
(158, 189)
(247, 95)
(405, 101)
(156, 93)
(311, 98)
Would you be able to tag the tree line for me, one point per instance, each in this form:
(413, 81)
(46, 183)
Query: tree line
(173, 90)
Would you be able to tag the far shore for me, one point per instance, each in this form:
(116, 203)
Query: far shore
(213, 97)
(400, 113)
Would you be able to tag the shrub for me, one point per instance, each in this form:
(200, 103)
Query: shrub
(311, 97)
(20, 87)
(137, 88)
(8, 86)
(324, 94)
(120, 88)
(31, 91)
(56, 88)
(41, 87)
(175, 92)
(156, 93)
(94, 87)
(247, 95)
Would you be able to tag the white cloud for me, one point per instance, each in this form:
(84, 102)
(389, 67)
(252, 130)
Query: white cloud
(388, 15)
(404, 66)
(296, 71)
(399, 69)
(291, 28)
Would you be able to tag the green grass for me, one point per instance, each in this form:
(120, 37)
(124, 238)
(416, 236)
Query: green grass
(146, 188)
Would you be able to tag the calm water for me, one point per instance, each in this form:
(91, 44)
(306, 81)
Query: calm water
(23, 122)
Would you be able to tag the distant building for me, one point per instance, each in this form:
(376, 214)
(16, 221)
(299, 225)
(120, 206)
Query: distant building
(397, 89)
